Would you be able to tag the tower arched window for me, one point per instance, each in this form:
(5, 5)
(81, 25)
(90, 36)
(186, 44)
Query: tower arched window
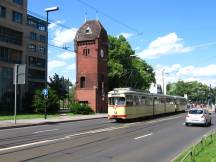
(86, 51)
(82, 82)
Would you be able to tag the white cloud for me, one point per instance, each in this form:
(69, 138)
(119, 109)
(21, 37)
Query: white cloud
(66, 55)
(165, 45)
(207, 71)
(176, 72)
(55, 64)
(64, 36)
(137, 48)
(127, 35)
(71, 67)
(54, 25)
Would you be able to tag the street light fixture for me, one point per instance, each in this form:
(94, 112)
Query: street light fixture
(51, 9)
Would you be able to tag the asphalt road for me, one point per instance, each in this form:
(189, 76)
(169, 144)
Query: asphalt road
(101, 140)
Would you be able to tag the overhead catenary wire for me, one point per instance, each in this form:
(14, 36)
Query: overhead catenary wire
(110, 17)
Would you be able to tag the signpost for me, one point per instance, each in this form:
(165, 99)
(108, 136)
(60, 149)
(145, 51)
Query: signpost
(45, 93)
(19, 78)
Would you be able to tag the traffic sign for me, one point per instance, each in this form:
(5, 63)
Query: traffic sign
(19, 73)
(45, 92)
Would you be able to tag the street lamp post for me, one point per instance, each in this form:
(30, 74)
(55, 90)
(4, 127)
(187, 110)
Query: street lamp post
(51, 9)
(163, 81)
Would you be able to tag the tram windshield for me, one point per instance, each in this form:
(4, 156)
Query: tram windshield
(116, 101)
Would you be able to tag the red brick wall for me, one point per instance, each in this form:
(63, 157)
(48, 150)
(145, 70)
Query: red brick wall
(87, 95)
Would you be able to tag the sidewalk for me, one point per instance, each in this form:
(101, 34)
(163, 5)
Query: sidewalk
(7, 124)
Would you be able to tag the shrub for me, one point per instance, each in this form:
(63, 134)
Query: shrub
(79, 108)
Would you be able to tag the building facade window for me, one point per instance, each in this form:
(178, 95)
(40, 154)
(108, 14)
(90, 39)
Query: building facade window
(86, 51)
(2, 12)
(20, 2)
(36, 62)
(32, 47)
(42, 49)
(35, 85)
(43, 38)
(6, 89)
(41, 27)
(10, 55)
(17, 17)
(33, 36)
(82, 82)
(10, 36)
(32, 23)
(36, 74)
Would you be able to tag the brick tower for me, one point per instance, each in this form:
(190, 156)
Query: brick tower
(91, 47)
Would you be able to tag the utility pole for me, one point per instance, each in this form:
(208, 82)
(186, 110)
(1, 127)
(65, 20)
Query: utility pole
(163, 81)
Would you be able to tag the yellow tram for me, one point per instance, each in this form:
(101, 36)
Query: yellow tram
(128, 103)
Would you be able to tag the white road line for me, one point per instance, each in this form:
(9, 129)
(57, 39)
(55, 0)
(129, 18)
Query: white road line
(50, 130)
(30, 144)
(143, 136)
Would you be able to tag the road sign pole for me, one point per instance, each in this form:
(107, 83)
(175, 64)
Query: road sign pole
(15, 90)
(45, 94)
(45, 110)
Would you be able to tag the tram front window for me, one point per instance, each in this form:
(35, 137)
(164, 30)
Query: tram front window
(116, 101)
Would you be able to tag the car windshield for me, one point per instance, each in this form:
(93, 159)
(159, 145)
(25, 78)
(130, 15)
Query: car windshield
(195, 111)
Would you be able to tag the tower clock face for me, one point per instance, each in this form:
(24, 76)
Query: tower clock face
(102, 53)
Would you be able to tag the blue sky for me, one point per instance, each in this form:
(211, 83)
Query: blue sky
(178, 36)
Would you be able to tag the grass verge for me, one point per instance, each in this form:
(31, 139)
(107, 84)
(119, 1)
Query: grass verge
(29, 116)
(204, 151)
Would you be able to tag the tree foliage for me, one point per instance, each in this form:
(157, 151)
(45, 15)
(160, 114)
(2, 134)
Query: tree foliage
(196, 91)
(60, 85)
(51, 102)
(125, 69)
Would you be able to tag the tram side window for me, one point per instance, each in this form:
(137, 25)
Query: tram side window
(129, 100)
(142, 100)
(182, 102)
(136, 100)
(162, 100)
(156, 100)
(148, 100)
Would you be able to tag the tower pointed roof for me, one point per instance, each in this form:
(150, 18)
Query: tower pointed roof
(90, 30)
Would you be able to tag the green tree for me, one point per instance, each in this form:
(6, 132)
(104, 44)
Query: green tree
(60, 85)
(38, 102)
(196, 91)
(126, 70)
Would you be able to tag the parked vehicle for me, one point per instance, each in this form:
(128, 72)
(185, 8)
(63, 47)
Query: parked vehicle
(198, 116)
(128, 103)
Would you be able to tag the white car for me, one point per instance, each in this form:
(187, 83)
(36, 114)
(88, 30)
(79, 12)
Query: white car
(198, 116)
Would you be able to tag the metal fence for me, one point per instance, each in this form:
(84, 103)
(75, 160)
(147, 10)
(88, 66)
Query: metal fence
(200, 146)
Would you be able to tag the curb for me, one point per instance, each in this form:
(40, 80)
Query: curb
(48, 123)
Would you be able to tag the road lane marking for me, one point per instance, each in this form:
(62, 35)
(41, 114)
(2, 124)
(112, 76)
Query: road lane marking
(50, 130)
(143, 136)
(84, 133)
(30, 144)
